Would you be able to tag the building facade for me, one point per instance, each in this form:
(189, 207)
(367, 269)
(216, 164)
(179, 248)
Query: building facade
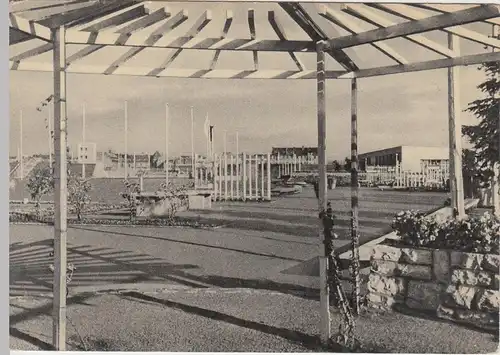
(297, 151)
(410, 158)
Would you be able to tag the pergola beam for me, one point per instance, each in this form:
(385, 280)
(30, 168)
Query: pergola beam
(145, 21)
(342, 21)
(227, 24)
(115, 19)
(153, 38)
(251, 27)
(280, 32)
(44, 48)
(417, 26)
(196, 28)
(30, 27)
(228, 44)
(413, 14)
(451, 8)
(474, 59)
(363, 13)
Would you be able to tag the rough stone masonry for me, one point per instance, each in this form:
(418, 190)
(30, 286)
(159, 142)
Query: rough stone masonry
(458, 286)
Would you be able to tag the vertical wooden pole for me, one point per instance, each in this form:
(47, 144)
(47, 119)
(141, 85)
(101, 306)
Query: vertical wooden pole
(192, 142)
(166, 144)
(455, 133)
(225, 166)
(323, 258)
(249, 176)
(83, 141)
(126, 140)
(231, 172)
(256, 176)
(263, 185)
(269, 176)
(215, 176)
(354, 196)
(51, 107)
(220, 176)
(60, 193)
(237, 166)
(21, 158)
(495, 184)
(244, 182)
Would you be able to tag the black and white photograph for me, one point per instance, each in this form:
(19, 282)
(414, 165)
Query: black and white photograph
(235, 176)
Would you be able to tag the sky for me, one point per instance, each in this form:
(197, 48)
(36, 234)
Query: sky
(403, 109)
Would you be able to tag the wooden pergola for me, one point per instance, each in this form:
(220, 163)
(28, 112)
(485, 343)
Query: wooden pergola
(93, 26)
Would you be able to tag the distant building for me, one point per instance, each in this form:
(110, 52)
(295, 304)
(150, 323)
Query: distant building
(410, 158)
(87, 153)
(311, 152)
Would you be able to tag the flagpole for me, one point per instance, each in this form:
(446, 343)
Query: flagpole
(21, 143)
(237, 166)
(126, 140)
(208, 137)
(83, 141)
(166, 144)
(50, 138)
(192, 143)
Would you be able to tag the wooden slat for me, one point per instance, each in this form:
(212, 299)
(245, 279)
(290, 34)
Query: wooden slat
(416, 26)
(196, 28)
(280, 32)
(153, 38)
(29, 27)
(413, 14)
(427, 65)
(251, 27)
(145, 22)
(363, 13)
(230, 44)
(44, 48)
(452, 8)
(227, 24)
(115, 19)
(343, 21)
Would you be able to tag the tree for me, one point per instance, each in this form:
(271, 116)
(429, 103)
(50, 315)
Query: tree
(347, 164)
(485, 135)
(40, 183)
(132, 190)
(336, 165)
(78, 194)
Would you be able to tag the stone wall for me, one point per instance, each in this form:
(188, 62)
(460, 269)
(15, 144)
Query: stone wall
(458, 286)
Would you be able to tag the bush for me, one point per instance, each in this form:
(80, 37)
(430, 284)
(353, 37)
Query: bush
(472, 234)
(177, 196)
(78, 194)
(40, 183)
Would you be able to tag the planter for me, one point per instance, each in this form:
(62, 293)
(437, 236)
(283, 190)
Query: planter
(457, 286)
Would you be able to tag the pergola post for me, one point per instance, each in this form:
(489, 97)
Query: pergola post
(354, 197)
(323, 258)
(455, 134)
(495, 183)
(60, 196)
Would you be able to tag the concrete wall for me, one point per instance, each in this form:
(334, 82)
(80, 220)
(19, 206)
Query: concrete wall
(457, 286)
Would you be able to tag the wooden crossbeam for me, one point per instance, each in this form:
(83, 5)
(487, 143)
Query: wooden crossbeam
(196, 28)
(416, 26)
(452, 8)
(344, 22)
(227, 24)
(251, 26)
(427, 65)
(229, 44)
(280, 32)
(153, 38)
(302, 15)
(267, 74)
(413, 14)
(115, 18)
(363, 13)
(30, 27)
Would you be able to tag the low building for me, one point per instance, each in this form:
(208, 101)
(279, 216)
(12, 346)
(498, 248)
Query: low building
(410, 158)
(297, 151)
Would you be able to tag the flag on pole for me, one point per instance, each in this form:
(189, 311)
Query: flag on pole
(206, 127)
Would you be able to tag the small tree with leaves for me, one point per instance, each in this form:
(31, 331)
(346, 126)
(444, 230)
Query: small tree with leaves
(78, 194)
(40, 183)
(176, 196)
(130, 195)
(485, 135)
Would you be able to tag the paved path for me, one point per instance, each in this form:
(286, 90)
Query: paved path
(234, 320)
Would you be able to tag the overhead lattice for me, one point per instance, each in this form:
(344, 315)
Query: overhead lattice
(249, 40)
